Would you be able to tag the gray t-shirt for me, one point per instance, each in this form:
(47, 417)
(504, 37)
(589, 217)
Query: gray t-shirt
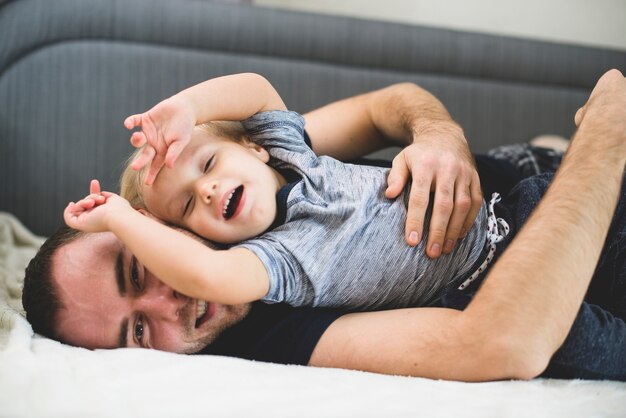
(342, 241)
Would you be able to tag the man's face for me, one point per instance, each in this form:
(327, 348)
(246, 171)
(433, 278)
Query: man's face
(220, 189)
(110, 300)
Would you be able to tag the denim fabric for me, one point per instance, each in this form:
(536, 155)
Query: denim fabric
(595, 347)
(503, 167)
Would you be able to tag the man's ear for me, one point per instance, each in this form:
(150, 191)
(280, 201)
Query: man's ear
(149, 215)
(258, 151)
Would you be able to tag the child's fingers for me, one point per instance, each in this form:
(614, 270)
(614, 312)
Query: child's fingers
(138, 139)
(86, 203)
(69, 214)
(144, 158)
(155, 167)
(72, 210)
(172, 153)
(94, 187)
(70, 207)
(98, 198)
(132, 121)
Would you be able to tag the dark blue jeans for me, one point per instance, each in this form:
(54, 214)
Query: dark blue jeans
(595, 347)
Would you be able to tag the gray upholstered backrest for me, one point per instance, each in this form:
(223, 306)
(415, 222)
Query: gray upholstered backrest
(71, 70)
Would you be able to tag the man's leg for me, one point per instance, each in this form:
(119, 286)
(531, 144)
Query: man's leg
(608, 286)
(595, 348)
(501, 168)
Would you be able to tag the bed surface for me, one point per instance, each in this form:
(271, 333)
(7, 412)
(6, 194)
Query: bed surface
(43, 378)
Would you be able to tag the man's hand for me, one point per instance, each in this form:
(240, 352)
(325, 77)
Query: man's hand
(165, 130)
(606, 103)
(438, 161)
(92, 213)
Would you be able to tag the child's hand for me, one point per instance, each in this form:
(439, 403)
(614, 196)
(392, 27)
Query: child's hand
(165, 130)
(92, 213)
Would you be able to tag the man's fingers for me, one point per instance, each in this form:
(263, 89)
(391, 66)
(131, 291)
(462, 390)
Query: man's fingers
(462, 206)
(477, 201)
(442, 210)
(418, 204)
(578, 117)
(397, 178)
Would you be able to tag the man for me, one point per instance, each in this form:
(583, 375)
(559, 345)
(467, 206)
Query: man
(511, 329)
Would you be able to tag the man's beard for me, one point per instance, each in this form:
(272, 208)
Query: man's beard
(231, 315)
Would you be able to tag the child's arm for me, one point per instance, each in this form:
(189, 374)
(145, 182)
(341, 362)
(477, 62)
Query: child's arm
(184, 263)
(167, 127)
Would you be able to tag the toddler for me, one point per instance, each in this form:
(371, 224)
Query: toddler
(295, 227)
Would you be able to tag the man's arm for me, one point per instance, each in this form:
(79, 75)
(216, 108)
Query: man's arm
(437, 157)
(528, 302)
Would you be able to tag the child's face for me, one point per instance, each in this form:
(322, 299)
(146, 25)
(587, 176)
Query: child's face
(221, 190)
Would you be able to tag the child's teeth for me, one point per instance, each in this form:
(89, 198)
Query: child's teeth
(228, 202)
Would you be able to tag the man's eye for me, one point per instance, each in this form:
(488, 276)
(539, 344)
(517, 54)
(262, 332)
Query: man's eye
(208, 164)
(139, 330)
(134, 274)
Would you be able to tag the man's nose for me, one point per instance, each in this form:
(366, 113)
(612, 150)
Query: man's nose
(161, 301)
(206, 189)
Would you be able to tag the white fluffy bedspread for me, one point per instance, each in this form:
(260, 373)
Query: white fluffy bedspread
(43, 378)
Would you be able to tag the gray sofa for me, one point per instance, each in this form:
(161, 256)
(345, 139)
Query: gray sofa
(71, 70)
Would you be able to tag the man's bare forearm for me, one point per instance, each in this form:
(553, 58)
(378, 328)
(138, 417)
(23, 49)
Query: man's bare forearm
(532, 295)
(353, 127)
(405, 110)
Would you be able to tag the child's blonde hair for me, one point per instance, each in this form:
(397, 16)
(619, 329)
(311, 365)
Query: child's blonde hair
(131, 182)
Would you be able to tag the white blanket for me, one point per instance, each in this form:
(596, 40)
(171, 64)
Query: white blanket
(43, 378)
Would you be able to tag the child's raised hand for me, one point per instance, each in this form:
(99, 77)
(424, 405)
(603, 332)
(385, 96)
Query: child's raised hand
(92, 213)
(165, 130)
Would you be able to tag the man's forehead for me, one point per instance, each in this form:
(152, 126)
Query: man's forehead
(84, 271)
(90, 248)
(93, 256)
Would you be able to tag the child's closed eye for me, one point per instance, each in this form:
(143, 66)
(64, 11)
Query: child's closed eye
(208, 164)
(187, 206)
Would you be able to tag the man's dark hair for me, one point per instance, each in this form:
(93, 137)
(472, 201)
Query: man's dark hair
(39, 296)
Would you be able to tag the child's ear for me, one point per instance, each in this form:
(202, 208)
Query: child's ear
(258, 151)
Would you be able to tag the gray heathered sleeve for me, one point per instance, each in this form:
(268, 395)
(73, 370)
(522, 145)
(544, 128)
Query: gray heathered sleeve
(274, 127)
(287, 279)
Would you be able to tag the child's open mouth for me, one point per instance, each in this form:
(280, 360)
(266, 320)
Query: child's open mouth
(232, 203)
